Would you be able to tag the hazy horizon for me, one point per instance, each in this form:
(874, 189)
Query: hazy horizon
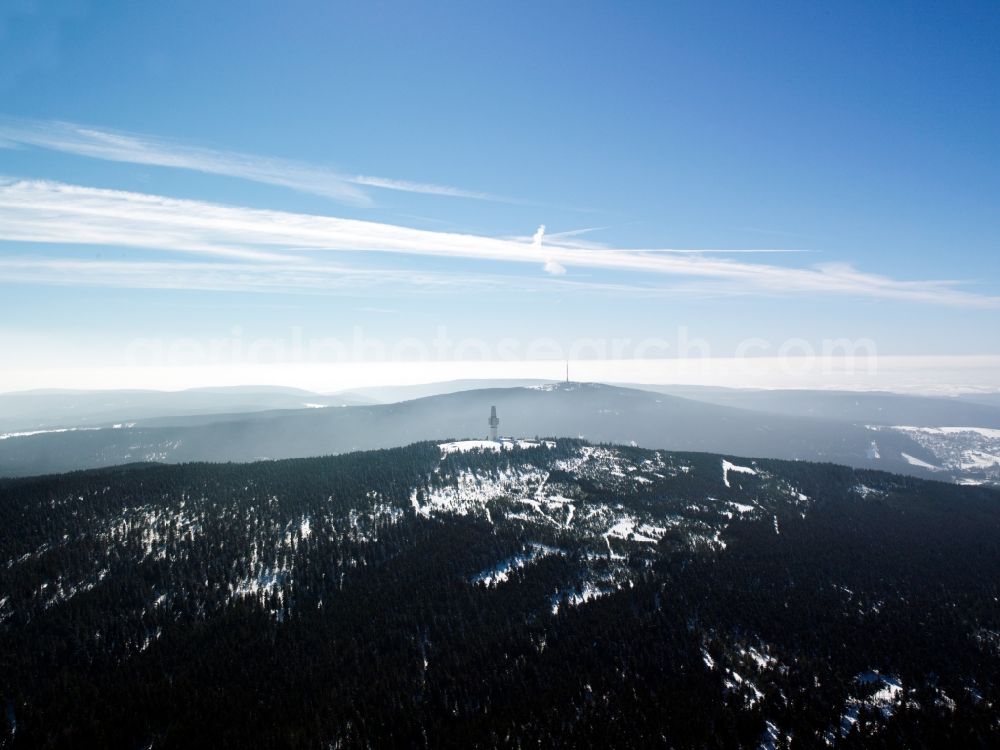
(910, 375)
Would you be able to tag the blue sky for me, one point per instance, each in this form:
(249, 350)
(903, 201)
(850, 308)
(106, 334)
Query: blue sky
(177, 171)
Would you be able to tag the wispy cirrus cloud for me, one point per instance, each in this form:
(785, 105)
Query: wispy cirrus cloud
(51, 212)
(427, 188)
(110, 145)
(320, 277)
(224, 276)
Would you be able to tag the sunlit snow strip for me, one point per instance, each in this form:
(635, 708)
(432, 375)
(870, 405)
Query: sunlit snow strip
(914, 461)
(500, 572)
(588, 592)
(29, 433)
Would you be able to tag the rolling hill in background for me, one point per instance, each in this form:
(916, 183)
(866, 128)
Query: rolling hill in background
(389, 394)
(599, 413)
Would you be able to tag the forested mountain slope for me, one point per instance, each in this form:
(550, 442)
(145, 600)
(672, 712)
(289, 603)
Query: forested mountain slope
(540, 593)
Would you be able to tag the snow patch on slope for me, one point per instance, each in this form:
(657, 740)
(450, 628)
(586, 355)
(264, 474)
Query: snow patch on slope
(913, 461)
(728, 467)
(885, 699)
(500, 572)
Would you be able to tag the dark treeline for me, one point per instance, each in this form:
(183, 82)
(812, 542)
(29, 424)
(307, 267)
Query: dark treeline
(305, 603)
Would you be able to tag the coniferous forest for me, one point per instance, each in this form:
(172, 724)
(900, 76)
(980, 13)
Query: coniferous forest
(538, 594)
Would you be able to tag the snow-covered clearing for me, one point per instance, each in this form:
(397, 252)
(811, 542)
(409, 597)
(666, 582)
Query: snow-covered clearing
(985, 432)
(463, 446)
(626, 529)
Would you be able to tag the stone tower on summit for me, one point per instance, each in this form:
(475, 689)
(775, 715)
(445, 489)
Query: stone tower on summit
(494, 423)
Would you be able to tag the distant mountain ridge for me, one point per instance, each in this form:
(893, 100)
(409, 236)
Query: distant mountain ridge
(39, 410)
(598, 412)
